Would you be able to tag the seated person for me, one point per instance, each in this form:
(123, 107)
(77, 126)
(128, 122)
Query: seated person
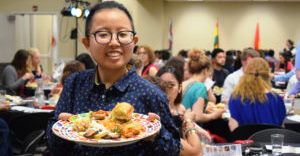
(36, 66)
(86, 60)
(191, 145)
(285, 64)
(255, 104)
(15, 75)
(70, 68)
(232, 79)
(146, 54)
(195, 94)
(219, 72)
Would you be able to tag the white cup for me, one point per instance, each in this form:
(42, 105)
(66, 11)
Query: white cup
(277, 143)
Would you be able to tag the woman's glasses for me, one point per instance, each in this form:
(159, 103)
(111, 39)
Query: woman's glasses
(123, 37)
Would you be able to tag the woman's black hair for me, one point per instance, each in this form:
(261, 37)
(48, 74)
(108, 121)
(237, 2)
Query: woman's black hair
(177, 74)
(106, 5)
(20, 59)
(86, 59)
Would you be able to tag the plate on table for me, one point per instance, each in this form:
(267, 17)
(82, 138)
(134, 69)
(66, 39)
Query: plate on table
(17, 100)
(64, 129)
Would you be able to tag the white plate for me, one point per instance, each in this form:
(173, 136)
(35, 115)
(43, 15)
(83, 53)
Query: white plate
(64, 130)
(29, 109)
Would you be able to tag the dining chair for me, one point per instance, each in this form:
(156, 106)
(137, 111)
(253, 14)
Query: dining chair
(245, 131)
(27, 128)
(24, 124)
(8, 91)
(265, 135)
(29, 144)
(293, 126)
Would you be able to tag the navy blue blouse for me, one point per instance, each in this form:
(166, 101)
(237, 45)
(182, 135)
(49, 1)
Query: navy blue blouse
(81, 94)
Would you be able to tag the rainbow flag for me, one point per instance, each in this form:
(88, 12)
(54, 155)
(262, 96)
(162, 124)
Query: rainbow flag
(216, 36)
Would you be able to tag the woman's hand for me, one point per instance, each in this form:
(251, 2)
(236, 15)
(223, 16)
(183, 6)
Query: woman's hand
(217, 113)
(28, 76)
(4, 106)
(232, 124)
(189, 115)
(56, 90)
(64, 116)
(152, 117)
(203, 133)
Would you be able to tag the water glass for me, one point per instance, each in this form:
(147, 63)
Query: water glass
(2, 95)
(288, 105)
(277, 143)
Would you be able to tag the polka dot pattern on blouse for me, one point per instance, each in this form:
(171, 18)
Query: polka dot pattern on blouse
(81, 94)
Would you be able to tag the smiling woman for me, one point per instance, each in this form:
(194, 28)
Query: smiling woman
(110, 38)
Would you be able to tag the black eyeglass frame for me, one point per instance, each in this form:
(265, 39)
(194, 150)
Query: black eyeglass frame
(111, 36)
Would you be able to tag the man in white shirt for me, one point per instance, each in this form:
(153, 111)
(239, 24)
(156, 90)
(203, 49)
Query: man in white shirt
(232, 79)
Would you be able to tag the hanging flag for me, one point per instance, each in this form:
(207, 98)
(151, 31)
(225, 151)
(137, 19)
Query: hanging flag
(216, 36)
(256, 37)
(170, 36)
(53, 42)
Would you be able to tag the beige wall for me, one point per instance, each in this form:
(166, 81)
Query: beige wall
(148, 16)
(66, 45)
(194, 23)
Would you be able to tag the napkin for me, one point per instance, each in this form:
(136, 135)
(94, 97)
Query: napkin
(294, 118)
(286, 149)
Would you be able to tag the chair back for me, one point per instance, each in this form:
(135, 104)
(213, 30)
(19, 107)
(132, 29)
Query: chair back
(265, 135)
(23, 125)
(8, 91)
(245, 131)
(31, 141)
(293, 126)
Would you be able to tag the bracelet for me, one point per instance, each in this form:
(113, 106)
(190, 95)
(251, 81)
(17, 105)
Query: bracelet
(190, 130)
(184, 123)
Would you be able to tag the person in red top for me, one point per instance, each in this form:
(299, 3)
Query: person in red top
(285, 64)
(146, 54)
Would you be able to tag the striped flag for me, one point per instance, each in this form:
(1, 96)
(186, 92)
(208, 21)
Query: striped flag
(170, 35)
(216, 36)
(256, 37)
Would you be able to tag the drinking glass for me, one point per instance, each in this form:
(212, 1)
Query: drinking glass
(277, 143)
(2, 95)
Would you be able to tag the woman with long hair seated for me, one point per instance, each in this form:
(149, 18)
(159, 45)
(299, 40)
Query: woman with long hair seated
(252, 101)
(15, 75)
(169, 83)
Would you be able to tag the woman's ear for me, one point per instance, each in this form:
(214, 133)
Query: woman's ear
(86, 42)
(135, 39)
(180, 88)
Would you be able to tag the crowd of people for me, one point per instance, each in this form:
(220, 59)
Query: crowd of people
(177, 88)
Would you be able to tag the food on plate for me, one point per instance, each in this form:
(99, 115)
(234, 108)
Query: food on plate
(211, 107)
(100, 114)
(220, 106)
(13, 99)
(122, 111)
(103, 124)
(31, 84)
(218, 90)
